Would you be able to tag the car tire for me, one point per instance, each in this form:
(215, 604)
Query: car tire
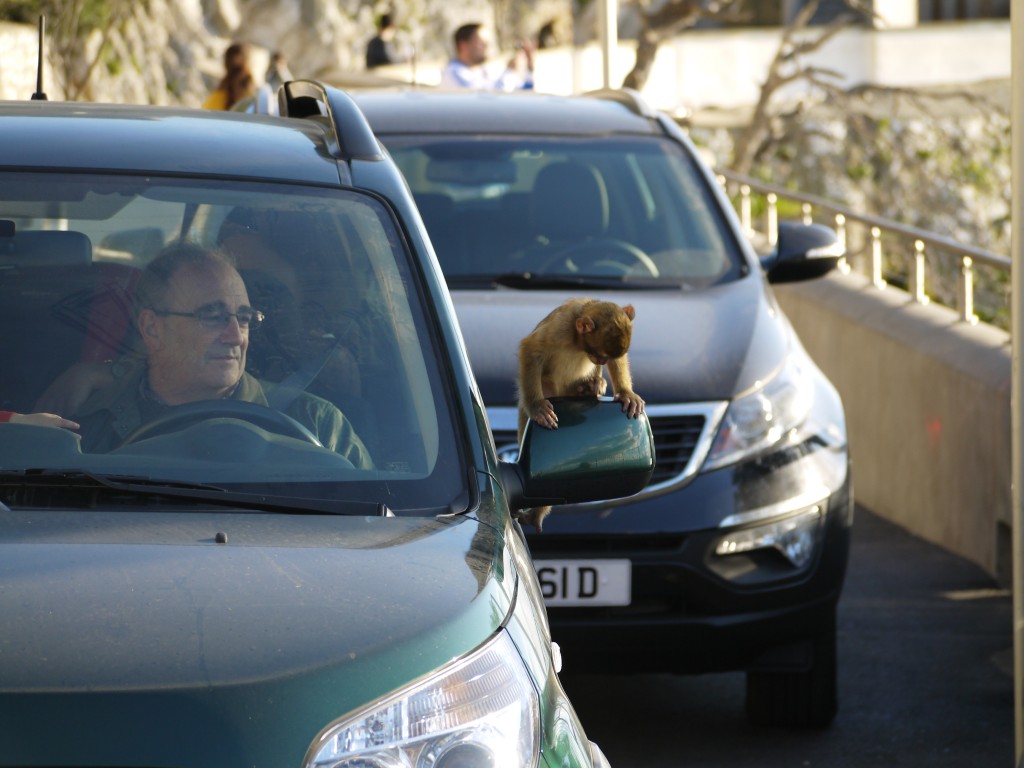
(802, 698)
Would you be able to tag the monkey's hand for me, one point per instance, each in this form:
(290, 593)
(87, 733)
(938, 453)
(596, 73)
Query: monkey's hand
(632, 403)
(543, 413)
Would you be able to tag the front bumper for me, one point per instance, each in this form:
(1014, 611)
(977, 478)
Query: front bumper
(688, 613)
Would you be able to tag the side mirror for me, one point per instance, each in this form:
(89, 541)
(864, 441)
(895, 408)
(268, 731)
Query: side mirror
(803, 252)
(596, 453)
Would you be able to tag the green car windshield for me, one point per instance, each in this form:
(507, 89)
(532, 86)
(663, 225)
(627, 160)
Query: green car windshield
(338, 396)
(633, 209)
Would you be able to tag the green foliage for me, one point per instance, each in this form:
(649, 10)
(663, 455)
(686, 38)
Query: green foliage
(113, 64)
(91, 14)
(859, 171)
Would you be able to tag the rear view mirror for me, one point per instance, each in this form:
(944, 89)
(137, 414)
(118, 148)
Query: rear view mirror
(472, 173)
(56, 247)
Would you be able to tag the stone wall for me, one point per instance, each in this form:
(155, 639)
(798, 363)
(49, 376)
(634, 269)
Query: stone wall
(18, 48)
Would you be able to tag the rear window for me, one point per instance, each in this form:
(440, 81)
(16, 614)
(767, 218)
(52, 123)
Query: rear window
(339, 394)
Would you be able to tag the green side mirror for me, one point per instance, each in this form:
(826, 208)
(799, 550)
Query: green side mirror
(596, 453)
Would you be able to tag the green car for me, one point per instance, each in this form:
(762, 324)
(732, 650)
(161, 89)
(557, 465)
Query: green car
(251, 512)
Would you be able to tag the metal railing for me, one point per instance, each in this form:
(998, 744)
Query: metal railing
(886, 251)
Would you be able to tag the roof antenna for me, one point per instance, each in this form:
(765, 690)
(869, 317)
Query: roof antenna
(39, 95)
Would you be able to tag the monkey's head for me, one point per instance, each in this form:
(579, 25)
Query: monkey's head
(605, 330)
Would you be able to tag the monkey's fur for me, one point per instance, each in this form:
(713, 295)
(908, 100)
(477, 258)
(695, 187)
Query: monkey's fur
(565, 355)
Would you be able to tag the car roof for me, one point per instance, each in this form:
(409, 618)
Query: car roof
(73, 135)
(520, 112)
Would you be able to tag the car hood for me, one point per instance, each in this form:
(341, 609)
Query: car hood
(112, 620)
(688, 345)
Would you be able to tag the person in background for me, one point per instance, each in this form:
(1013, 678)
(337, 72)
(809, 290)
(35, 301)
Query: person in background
(381, 48)
(468, 70)
(38, 419)
(278, 72)
(238, 81)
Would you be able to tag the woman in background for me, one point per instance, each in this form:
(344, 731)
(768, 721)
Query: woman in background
(237, 82)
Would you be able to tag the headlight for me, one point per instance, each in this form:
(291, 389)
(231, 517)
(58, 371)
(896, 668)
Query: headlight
(793, 537)
(478, 712)
(762, 418)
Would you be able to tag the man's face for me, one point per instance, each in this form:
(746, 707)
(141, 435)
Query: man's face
(478, 47)
(191, 360)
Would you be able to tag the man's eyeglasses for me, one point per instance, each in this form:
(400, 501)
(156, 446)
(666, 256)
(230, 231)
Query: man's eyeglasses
(217, 319)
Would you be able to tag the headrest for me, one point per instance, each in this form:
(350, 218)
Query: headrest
(570, 201)
(33, 248)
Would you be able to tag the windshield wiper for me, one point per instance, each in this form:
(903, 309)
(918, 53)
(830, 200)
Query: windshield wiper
(174, 489)
(528, 280)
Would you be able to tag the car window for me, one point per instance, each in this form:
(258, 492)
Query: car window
(344, 346)
(629, 206)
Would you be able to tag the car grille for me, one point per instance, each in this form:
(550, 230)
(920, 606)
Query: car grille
(682, 436)
(675, 439)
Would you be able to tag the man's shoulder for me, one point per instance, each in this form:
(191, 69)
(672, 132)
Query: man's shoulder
(291, 402)
(309, 402)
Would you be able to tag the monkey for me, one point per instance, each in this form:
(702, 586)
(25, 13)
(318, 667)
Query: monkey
(566, 355)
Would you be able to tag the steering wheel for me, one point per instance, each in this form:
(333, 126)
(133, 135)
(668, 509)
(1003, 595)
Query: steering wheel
(183, 416)
(601, 252)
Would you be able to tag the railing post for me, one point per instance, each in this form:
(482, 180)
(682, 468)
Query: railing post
(844, 265)
(876, 258)
(918, 277)
(966, 297)
(773, 218)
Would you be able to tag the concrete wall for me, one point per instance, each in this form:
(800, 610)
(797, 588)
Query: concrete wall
(928, 409)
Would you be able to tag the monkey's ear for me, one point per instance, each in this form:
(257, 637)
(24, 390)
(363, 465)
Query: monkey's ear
(584, 325)
(630, 312)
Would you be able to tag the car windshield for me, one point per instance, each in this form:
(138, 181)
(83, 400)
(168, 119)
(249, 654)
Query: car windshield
(633, 210)
(317, 380)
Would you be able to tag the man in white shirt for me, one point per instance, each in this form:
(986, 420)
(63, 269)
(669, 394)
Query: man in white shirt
(467, 70)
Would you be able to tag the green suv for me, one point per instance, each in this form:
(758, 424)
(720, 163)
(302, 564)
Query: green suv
(272, 529)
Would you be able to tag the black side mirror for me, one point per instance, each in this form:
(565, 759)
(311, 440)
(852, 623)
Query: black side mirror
(596, 453)
(802, 252)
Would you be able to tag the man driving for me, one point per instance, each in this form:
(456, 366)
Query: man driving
(193, 315)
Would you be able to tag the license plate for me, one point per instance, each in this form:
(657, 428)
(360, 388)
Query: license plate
(585, 582)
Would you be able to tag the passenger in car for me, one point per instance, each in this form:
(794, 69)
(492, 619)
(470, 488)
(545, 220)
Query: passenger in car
(193, 315)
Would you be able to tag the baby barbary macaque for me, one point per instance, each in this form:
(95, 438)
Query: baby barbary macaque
(566, 354)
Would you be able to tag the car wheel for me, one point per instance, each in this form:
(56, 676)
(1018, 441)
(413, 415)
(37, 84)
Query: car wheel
(801, 698)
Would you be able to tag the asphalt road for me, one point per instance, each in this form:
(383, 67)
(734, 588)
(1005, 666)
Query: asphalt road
(925, 654)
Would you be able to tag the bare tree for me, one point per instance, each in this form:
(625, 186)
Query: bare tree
(659, 22)
(879, 146)
(788, 67)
